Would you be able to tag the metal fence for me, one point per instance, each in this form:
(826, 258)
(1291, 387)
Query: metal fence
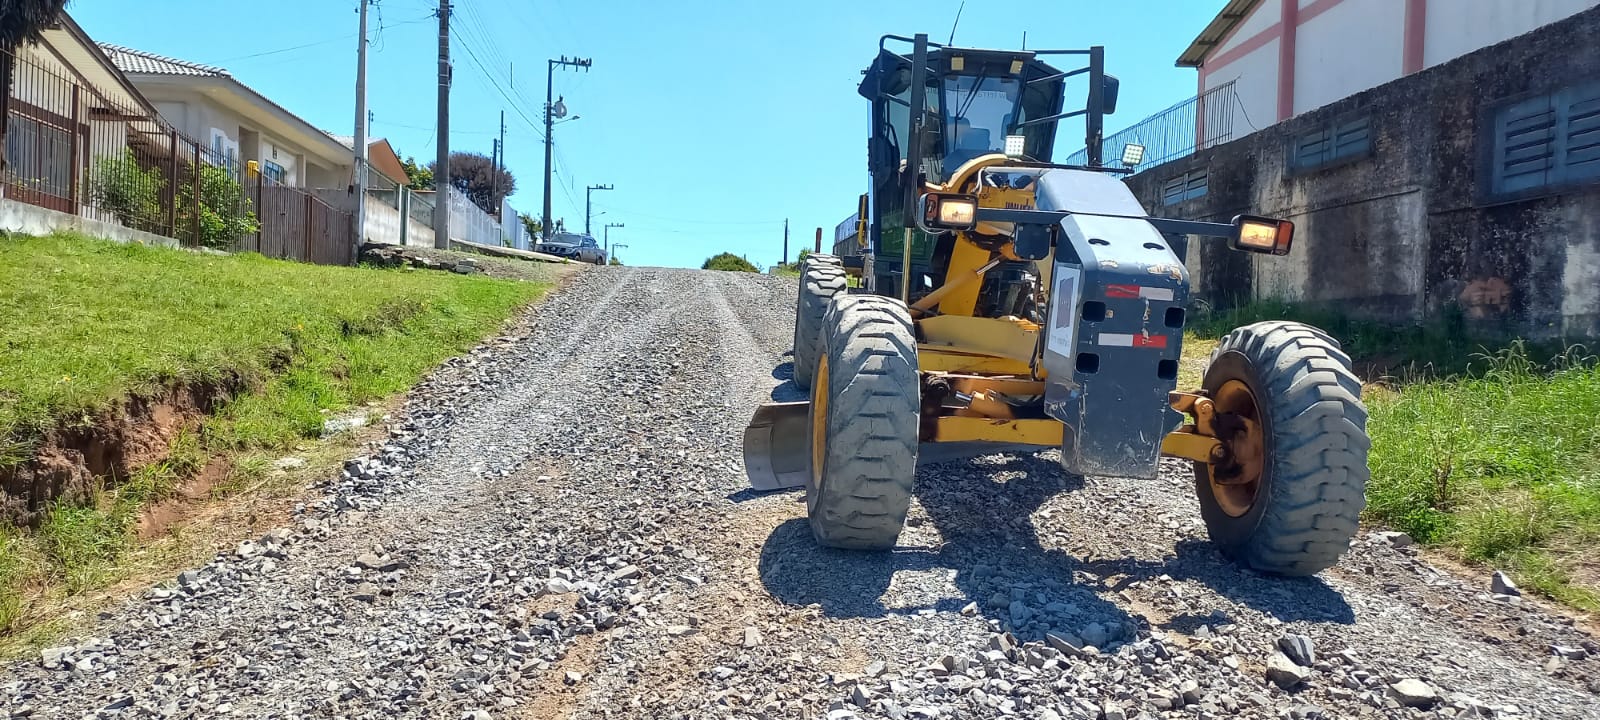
(77, 149)
(1178, 131)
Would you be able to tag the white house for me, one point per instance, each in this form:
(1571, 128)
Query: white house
(236, 123)
(69, 105)
(1286, 57)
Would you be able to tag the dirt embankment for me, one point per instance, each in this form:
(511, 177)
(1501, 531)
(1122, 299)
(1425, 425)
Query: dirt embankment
(70, 462)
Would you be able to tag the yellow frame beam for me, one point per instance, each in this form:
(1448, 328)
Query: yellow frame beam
(936, 358)
(952, 428)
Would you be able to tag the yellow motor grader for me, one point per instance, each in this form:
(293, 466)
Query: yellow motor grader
(1006, 303)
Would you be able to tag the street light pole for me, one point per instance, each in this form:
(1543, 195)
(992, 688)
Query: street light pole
(588, 204)
(550, 110)
(607, 246)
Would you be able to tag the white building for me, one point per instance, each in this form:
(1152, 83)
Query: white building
(1286, 57)
(237, 124)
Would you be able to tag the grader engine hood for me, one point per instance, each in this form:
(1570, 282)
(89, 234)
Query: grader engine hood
(1115, 329)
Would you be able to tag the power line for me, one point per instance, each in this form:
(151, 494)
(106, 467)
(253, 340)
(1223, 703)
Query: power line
(341, 38)
(503, 94)
(681, 221)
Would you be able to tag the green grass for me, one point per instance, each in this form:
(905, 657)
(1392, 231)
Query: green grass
(1503, 465)
(1490, 449)
(92, 323)
(1435, 349)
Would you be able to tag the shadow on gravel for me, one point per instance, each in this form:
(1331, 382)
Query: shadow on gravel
(993, 556)
(787, 391)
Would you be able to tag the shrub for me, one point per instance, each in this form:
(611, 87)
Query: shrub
(225, 210)
(123, 188)
(730, 262)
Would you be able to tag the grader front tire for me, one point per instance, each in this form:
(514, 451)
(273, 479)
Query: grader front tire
(865, 408)
(1299, 514)
(821, 280)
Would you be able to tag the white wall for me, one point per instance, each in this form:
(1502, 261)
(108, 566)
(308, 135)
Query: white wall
(1457, 27)
(199, 117)
(1356, 45)
(1255, 77)
(1266, 14)
(1352, 46)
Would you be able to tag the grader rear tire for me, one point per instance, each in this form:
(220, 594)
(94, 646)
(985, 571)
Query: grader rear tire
(1297, 515)
(865, 411)
(820, 282)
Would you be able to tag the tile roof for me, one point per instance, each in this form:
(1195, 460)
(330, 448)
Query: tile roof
(129, 60)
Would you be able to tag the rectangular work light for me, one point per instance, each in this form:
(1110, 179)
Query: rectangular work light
(1261, 235)
(1016, 145)
(943, 212)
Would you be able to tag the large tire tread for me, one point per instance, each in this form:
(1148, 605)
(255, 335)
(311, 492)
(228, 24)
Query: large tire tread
(874, 405)
(820, 282)
(1318, 464)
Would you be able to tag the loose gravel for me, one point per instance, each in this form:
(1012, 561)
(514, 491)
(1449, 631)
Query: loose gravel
(557, 527)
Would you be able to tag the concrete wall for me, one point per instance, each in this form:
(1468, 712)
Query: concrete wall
(1411, 230)
(20, 217)
(383, 218)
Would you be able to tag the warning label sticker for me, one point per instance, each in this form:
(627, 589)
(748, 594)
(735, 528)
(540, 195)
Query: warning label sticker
(1064, 311)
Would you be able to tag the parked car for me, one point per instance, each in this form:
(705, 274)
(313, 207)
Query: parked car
(589, 251)
(574, 246)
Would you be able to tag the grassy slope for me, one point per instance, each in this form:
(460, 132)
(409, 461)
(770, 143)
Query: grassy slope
(89, 323)
(1494, 454)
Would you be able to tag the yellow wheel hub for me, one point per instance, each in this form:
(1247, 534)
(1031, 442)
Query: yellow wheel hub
(819, 420)
(1237, 422)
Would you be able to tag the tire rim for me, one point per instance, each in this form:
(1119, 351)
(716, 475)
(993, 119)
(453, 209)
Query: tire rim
(819, 420)
(1236, 484)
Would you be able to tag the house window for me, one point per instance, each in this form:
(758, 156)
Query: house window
(39, 162)
(1187, 186)
(1324, 146)
(272, 171)
(1547, 141)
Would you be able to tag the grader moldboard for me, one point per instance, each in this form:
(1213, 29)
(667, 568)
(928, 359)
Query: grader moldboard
(1007, 303)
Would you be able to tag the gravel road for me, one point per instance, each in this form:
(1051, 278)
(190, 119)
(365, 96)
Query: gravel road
(557, 527)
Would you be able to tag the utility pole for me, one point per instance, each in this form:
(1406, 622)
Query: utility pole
(552, 110)
(360, 141)
(785, 257)
(501, 167)
(588, 204)
(607, 244)
(494, 165)
(441, 166)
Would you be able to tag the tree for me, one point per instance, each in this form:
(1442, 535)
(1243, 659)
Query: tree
(474, 176)
(534, 226)
(728, 261)
(20, 21)
(417, 176)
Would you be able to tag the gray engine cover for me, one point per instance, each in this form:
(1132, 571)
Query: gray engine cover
(1115, 330)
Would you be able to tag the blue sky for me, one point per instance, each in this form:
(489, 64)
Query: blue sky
(715, 120)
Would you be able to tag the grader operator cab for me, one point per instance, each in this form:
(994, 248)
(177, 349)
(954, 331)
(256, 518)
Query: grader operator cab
(1005, 303)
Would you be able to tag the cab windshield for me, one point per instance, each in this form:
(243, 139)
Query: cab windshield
(979, 112)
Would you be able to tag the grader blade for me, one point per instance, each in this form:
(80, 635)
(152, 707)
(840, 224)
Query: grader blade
(775, 447)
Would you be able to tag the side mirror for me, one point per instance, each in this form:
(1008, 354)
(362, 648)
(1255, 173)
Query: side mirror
(1261, 235)
(893, 82)
(1108, 94)
(943, 212)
